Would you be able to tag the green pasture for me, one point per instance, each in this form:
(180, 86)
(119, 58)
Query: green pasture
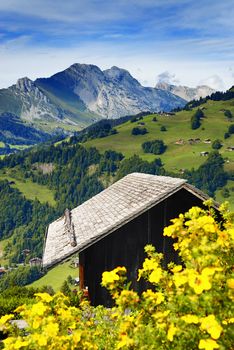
(176, 157)
(29, 189)
(220, 198)
(56, 276)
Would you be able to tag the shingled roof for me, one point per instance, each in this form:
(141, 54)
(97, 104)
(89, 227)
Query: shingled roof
(107, 211)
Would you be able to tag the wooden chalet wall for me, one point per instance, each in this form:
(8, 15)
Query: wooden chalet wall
(125, 246)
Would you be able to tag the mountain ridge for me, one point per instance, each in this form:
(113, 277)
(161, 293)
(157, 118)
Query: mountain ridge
(185, 92)
(81, 94)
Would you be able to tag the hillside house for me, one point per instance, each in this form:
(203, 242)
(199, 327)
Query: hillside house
(204, 154)
(35, 262)
(180, 142)
(112, 228)
(2, 271)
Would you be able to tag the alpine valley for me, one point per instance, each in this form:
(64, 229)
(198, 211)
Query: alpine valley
(194, 141)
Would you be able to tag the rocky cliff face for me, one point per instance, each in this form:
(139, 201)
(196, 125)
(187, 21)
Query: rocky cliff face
(33, 103)
(186, 92)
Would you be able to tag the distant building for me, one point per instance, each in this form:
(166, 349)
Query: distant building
(112, 228)
(180, 142)
(2, 271)
(26, 252)
(35, 262)
(204, 154)
(207, 141)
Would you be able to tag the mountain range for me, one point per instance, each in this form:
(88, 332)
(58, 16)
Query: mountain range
(185, 92)
(83, 94)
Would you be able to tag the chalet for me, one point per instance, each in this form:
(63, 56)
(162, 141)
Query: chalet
(192, 141)
(204, 154)
(180, 142)
(35, 262)
(207, 141)
(2, 271)
(112, 228)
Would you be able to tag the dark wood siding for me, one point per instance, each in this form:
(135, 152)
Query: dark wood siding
(125, 246)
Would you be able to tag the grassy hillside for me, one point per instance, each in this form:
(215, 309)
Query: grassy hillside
(226, 194)
(29, 189)
(56, 276)
(176, 157)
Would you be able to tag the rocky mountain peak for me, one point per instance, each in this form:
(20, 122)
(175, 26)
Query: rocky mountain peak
(185, 92)
(25, 84)
(120, 75)
(83, 69)
(162, 85)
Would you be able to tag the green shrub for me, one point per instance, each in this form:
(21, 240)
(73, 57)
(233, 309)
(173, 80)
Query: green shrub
(216, 144)
(155, 147)
(139, 131)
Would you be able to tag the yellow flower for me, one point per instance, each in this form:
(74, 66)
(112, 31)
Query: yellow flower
(190, 319)
(38, 309)
(5, 318)
(51, 329)
(208, 344)
(231, 233)
(15, 343)
(161, 315)
(128, 297)
(154, 297)
(76, 336)
(149, 264)
(194, 212)
(199, 282)
(156, 275)
(44, 297)
(125, 342)
(223, 238)
(168, 231)
(41, 339)
(159, 298)
(180, 279)
(177, 268)
(207, 223)
(171, 332)
(36, 322)
(109, 277)
(230, 283)
(211, 326)
(65, 314)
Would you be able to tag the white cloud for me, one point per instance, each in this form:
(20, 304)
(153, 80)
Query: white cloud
(167, 77)
(214, 82)
(146, 46)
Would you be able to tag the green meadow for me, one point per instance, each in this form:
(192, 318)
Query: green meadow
(29, 189)
(220, 194)
(56, 276)
(178, 126)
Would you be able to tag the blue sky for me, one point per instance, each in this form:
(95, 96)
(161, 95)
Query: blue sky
(183, 42)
